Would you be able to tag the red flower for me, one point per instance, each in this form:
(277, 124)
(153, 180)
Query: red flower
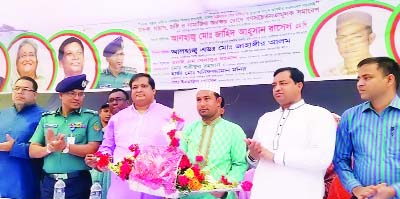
(125, 169)
(185, 163)
(246, 185)
(199, 158)
(183, 180)
(133, 147)
(225, 181)
(176, 118)
(171, 134)
(102, 159)
(174, 142)
(197, 173)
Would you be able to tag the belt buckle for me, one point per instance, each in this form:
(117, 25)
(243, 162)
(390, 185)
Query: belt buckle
(63, 176)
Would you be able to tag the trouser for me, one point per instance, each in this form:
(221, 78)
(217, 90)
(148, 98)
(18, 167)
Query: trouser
(77, 185)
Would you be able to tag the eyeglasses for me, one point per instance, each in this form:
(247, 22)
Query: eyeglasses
(74, 94)
(117, 100)
(22, 89)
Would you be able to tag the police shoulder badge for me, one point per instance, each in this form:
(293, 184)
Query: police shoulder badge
(96, 126)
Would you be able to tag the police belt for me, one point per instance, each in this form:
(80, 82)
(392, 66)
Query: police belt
(65, 176)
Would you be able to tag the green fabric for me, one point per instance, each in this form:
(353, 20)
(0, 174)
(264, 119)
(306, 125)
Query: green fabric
(227, 152)
(87, 129)
(108, 80)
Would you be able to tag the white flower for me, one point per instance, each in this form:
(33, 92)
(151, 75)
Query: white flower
(168, 127)
(178, 134)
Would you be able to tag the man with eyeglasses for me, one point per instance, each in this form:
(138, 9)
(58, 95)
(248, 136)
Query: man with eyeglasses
(140, 123)
(19, 174)
(116, 75)
(354, 35)
(64, 137)
(118, 99)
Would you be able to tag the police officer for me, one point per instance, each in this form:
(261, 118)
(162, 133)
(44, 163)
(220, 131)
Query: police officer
(64, 137)
(116, 75)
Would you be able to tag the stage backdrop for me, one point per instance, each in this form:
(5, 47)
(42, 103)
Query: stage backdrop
(243, 46)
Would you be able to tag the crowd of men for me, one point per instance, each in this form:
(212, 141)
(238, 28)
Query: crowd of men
(291, 149)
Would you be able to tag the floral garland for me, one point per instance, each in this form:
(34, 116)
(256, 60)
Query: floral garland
(142, 167)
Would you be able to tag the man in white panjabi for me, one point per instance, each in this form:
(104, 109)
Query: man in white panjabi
(292, 146)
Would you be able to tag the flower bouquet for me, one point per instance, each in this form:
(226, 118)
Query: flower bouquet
(166, 171)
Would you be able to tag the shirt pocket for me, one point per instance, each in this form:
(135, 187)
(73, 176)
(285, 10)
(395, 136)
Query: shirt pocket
(393, 142)
(363, 138)
(80, 135)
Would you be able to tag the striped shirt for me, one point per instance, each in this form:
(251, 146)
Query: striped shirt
(374, 142)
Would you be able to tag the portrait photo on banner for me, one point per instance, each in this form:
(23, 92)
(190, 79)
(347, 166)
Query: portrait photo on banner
(396, 37)
(3, 69)
(349, 37)
(120, 58)
(30, 57)
(75, 57)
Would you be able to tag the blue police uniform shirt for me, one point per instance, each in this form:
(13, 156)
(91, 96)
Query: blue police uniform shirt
(19, 174)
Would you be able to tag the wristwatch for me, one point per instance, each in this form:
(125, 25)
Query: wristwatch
(251, 158)
(66, 149)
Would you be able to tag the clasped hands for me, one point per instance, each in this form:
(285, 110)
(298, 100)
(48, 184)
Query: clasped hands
(55, 143)
(380, 191)
(257, 151)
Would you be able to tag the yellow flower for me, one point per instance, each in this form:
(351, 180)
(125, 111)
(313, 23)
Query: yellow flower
(194, 185)
(189, 173)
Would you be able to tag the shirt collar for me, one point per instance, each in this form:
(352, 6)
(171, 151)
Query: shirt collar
(78, 111)
(215, 121)
(395, 103)
(150, 107)
(295, 105)
(25, 108)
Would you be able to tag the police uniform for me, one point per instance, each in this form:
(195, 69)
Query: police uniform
(107, 79)
(84, 126)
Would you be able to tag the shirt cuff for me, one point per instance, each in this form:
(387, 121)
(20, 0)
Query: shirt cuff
(397, 188)
(252, 163)
(279, 158)
(353, 184)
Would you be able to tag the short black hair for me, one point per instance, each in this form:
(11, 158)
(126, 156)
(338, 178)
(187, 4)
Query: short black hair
(388, 66)
(296, 75)
(34, 83)
(222, 99)
(66, 42)
(119, 90)
(138, 75)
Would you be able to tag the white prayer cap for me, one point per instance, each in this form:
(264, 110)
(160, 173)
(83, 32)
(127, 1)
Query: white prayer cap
(209, 86)
(354, 17)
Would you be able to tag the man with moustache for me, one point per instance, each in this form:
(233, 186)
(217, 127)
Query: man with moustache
(71, 56)
(141, 123)
(20, 175)
(370, 134)
(116, 75)
(64, 137)
(292, 146)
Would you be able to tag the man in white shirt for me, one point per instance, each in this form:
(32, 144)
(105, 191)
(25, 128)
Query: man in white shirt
(292, 146)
